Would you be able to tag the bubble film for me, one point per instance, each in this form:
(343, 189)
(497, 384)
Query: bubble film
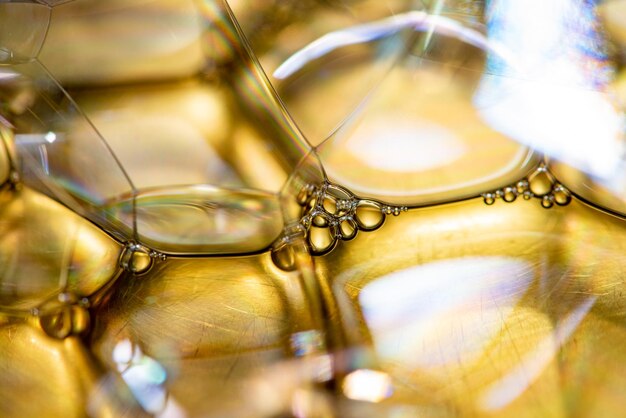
(313, 209)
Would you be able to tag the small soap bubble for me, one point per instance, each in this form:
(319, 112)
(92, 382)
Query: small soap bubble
(562, 196)
(284, 257)
(320, 221)
(522, 186)
(509, 194)
(322, 240)
(348, 229)
(369, 215)
(540, 182)
(547, 201)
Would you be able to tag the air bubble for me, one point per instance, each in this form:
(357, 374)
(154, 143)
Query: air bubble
(305, 195)
(540, 182)
(322, 240)
(320, 221)
(348, 229)
(562, 196)
(69, 320)
(509, 194)
(528, 195)
(489, 198)
(136, 259)
(369, 215)
(284, 257)
(343, 207)
(522, 186)
(140, 262)
(330, 205)
(547, 201)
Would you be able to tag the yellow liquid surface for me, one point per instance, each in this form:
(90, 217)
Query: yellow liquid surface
(158, 260)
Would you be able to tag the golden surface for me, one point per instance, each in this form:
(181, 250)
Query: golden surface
(459, 309)
(31, 360)
(214, 324)
(41, 258)
(123, 41)
(445, 153)
(190, 132)
(21, 42)
(511, 310)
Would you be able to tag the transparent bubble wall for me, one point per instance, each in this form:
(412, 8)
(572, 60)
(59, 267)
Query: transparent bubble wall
(316, 208)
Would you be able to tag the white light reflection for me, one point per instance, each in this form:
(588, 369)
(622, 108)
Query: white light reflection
(50, 137)
(7, 75)
(413, 145)
(367, 385)
(443, 312)
(559, 102)
(418, 21)
(38, 139)
(146, 379)
(511, 386)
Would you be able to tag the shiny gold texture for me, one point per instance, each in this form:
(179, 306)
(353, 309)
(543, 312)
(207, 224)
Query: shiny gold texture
(229, 320)
(488, 311)
(322, 208)
(402, 170)
(31, 360)
(123, 41)
(184, 133)
(67, 255)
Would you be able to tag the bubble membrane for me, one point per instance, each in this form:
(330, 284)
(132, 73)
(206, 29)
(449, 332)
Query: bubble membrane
(21, 42)
(64, 154)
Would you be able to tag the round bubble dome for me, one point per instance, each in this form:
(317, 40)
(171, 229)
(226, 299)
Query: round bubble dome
(328, 208)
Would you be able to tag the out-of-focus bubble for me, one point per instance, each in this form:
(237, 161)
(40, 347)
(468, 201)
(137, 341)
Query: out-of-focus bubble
(123, 41)
(21, 42)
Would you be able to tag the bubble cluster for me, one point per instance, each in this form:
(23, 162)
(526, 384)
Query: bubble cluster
(331, 213)
(541, 184)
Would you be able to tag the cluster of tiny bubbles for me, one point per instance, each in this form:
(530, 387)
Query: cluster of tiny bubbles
(65, 316)
(331, 213)
(541, 185)
(138, 259)
(394, 210)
